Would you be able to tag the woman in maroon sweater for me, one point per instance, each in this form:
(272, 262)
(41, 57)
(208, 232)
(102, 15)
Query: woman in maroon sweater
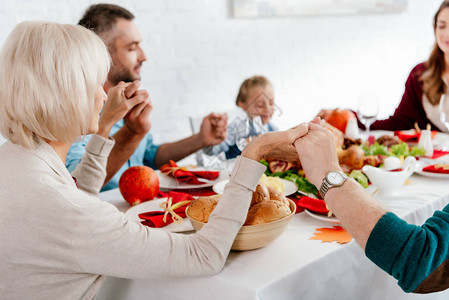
(425, 84)
(424, 87)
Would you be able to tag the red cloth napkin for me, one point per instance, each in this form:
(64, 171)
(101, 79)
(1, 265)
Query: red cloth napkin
(194, 192)
(155, 218)
(439, 153)
(190, 177)
(312, 204)
(439, 168)
(411, 135)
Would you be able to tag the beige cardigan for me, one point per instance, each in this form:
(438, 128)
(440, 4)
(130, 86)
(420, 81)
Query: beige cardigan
(57, 242)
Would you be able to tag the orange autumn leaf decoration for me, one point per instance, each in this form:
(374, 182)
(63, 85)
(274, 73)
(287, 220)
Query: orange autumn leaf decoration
(336, 233)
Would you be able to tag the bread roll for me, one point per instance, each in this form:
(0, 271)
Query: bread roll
(277, 196)
(202, 207)
(267, 211)
(260, 194)
(264, 209)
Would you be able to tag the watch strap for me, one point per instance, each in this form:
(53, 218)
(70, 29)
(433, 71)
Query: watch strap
(326, 185)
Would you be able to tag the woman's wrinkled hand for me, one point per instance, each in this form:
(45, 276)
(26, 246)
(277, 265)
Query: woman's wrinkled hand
(122, 99)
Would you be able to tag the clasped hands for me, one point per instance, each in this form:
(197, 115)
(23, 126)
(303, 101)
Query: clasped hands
(213, 129)
(310, 143)
(126, 101)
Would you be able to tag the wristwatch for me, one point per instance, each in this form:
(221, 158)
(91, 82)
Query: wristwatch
(332, 179)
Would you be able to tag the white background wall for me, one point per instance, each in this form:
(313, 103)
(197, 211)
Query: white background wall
(198, 55)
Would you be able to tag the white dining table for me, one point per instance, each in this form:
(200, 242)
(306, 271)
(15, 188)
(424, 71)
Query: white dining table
(294, 266)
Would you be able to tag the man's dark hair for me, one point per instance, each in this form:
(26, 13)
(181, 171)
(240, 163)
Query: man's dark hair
(101, 18)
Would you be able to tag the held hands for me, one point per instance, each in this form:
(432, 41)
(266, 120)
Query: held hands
(122, 99)
(277, 145)
(137, 120)
(317, 153)
(213, 129)
(313, 143)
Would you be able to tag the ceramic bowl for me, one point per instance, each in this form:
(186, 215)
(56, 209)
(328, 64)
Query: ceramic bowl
(255, 236)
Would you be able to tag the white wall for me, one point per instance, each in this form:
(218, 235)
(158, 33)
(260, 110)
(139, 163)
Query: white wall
(198, 55)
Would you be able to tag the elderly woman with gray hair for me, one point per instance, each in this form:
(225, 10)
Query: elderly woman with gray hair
(57, 242)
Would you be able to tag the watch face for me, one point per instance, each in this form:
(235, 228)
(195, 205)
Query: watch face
(335, 178)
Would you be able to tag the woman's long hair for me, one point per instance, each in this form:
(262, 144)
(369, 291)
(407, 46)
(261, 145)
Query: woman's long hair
(432, 78)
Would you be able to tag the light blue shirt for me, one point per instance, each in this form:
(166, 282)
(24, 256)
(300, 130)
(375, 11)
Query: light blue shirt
(144, 155)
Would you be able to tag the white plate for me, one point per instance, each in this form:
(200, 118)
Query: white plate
(170, 183)
(430, 174)
(323, 218)
(307, 194)
(289, 187)
(132, 214)
(428, 162)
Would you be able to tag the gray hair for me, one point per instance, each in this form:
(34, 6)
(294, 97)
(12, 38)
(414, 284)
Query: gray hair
(49, 73)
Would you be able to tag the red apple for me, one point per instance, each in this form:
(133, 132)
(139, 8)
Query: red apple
(139, 184)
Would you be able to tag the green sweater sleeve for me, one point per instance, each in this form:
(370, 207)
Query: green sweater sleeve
(409, 253)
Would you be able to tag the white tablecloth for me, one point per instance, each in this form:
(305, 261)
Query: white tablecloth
(293, 266)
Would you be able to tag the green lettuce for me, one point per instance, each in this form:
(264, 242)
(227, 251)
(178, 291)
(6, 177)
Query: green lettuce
(398, 150)
(293, 176)
(358, 176)
(375, 149)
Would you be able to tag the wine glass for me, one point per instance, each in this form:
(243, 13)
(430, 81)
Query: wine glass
(251, 128)
(367, 111)
(443, 108)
